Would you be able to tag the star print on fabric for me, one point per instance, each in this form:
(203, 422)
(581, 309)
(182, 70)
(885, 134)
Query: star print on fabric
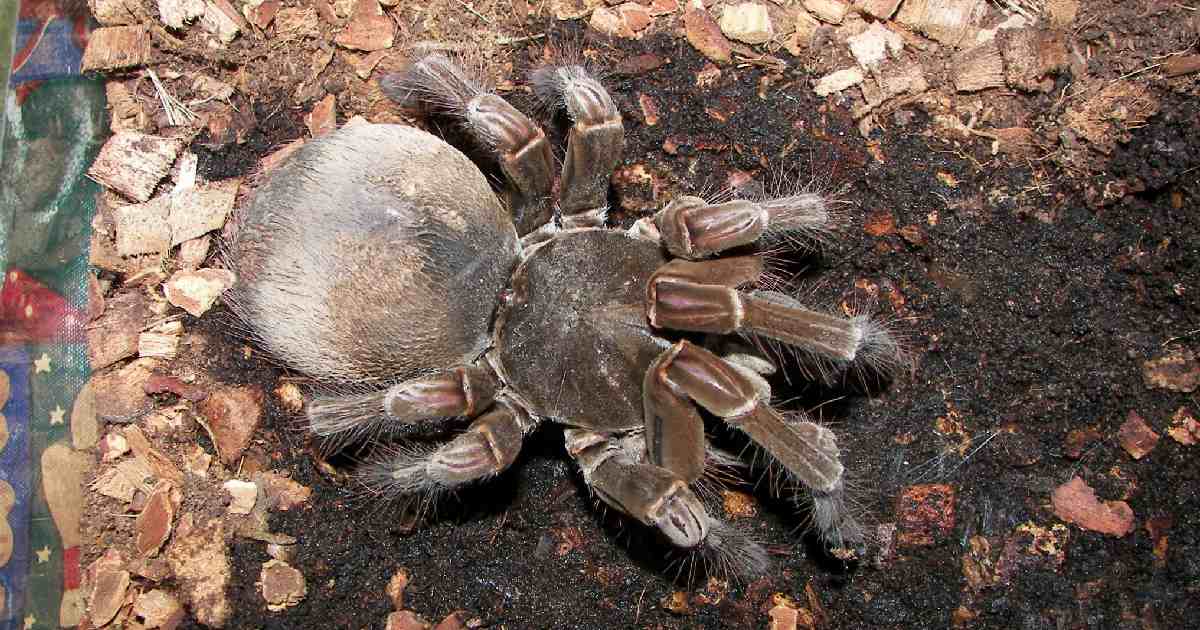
(56, 416)
(43, 554)
(42, 364)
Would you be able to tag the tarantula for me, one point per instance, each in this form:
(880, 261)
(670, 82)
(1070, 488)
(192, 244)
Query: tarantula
(379, 261)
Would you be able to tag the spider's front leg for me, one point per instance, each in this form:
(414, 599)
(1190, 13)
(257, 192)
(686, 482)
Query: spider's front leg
(705, 295)
(686, 374)
(693, 228)
(594, 143)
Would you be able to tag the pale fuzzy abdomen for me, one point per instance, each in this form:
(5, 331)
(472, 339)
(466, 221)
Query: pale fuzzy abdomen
(574, 341)
(376, 252)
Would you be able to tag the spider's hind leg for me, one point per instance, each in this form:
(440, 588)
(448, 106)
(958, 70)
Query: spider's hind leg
(489, 446)
(344, 418)
(439, 84)
(651, 494)
(617, 470)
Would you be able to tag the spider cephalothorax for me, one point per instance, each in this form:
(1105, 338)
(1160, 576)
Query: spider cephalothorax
(379, 261)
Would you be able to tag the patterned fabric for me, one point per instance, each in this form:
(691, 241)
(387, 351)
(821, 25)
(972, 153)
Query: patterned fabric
(54, 125)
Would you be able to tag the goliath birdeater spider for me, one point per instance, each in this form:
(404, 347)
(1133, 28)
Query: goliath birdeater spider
(379, 261)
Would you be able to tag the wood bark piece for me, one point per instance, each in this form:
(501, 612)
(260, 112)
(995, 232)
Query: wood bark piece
(242, 494)
(832, 11)
(193, 252)
(323, 117)
(155, 460)
(951, 22)
(161, 342)
(295, 23)
(874, 45)
(222, 20)
(978, 68)
(747, 22)
(1104, 117)
(116, 48)
(114, 336)
(573, 9)
(197, 211)
(705, 36)
(1184, 427)
(109, 584)
(177, 14)
(882, 9)
(126, 112)
(132, 163)
(890, 79)
(120, 394)
(196, 291)
(607, 22)
(142, 228)
(1076, 502)
(1136, 437)
(261, 13)
(1030, 55)
(365, 66)
(1061, 13)
(199, 559)
(168, 220)
(1181, 65)
(112, 12)
(153, 524)
(158, 609)
(369, 28)
(231, 414)
(282, 585)
(838, 81)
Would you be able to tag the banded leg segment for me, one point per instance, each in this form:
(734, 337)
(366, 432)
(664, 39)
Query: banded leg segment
(693, 228)
(690, 301)
(461, 391)
(518, 145)
(489, 446)
(594, 143)
(651, 494)
(808, 451)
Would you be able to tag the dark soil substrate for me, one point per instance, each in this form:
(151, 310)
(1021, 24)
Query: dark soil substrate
(1029, 313)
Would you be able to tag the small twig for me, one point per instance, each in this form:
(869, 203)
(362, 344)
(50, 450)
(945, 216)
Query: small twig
(1178, 337)
(508, 41)
(474, 12)
(177, 113)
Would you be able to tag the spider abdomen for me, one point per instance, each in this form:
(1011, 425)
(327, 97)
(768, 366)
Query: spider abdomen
(374, 253)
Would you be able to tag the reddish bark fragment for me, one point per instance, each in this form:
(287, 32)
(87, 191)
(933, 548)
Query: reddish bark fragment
(1184, 427)
(1177, 371)
(925, 514)
(1076, 502)
(705, 35)
(1078, 440)
(1137, 438)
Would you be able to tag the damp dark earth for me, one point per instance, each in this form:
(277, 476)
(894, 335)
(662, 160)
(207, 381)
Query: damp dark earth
(1019, 182)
